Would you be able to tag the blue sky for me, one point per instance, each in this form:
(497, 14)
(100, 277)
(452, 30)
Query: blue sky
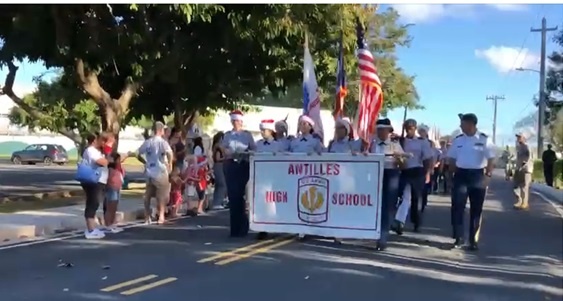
(460, 54)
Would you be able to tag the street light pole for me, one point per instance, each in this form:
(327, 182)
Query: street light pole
(542, 101)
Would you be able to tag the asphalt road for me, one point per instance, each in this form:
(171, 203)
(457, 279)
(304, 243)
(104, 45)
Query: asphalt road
(520, 260)
(27, 179)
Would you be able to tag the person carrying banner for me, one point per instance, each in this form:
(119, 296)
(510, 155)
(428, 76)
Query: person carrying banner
(413, 177)
(236, 146)
(382, 144)
(472, 160)
(307, 141)
(268, 144)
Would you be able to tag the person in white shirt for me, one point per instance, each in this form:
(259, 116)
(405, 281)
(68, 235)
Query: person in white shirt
(94, 192)
(157, 155)
(472, 161)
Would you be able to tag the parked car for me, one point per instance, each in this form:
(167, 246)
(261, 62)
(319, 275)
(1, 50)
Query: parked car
(41, 153)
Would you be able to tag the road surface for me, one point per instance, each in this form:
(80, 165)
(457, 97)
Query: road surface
(520, 260)
(27, 179)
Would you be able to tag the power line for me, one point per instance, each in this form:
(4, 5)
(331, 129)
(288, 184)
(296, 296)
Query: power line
(495, 99)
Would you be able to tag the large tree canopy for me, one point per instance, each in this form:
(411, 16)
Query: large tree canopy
(134, 60)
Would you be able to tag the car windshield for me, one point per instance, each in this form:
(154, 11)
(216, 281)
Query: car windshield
(31, 147)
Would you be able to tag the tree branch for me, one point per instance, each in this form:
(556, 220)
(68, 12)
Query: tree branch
(34, 113)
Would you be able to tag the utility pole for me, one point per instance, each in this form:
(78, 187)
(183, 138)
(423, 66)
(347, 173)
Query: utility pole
(495, 99)
(542, 101)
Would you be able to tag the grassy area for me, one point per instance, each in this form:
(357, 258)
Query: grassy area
(11, 207)
(74, 160)
(557, 173)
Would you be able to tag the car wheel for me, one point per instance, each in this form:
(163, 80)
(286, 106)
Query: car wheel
(61, 164)
(17, 160)
(47, 161)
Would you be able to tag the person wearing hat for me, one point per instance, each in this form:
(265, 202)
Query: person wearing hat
(236, 146)
(343, 141)
(471, 158)
(307, 142)
(382, 144)
(523, 172)
(268, 144)
(429, 186)
(415, 174)
(281, 130)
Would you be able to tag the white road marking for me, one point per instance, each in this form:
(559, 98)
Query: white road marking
(555, 206)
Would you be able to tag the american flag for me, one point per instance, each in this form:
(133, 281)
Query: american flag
(341, 90)
(371, 93)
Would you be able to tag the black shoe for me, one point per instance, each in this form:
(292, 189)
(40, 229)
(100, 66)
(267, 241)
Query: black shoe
(380, 247)
(398, 228)
(458, 243)
(262, 235)
(416, 228)
(473, 246)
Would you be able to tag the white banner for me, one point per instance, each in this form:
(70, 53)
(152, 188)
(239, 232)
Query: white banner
(330, 195)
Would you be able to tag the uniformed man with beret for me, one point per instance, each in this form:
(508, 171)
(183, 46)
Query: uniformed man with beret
(471, 159)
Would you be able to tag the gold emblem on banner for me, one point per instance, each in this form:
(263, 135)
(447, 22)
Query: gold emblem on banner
(312, 199)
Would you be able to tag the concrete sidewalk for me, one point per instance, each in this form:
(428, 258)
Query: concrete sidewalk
(551, 193)
(35, 224)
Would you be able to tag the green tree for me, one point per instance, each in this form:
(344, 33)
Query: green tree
(554, 87)
(58, 109)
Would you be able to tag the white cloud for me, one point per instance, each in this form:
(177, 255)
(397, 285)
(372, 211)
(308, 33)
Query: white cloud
(419, 13)
(505, 59)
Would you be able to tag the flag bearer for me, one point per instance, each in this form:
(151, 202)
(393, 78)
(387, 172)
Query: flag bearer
(236, 146)
(472, 160)
(343, 141)
(413, 177)
(306, 142)
(281, 129)
(268, 144)
(393, 152)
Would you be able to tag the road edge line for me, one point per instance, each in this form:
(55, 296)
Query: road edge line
(555, 206)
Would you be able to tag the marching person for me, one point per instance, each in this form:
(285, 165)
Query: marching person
(281, 129)
(428, 186)
(472, 161)
(523, 173)
(268, 144)
(393, 152)
(343, 141)
(548, 158)
(307, 141)
(413, 177)
(236, 145)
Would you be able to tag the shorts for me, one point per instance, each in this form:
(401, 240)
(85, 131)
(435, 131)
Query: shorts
(200, 193)
(158, 188)
(112, 195)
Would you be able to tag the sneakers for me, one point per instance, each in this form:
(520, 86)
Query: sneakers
(94, 234)
(218, 207)
(112, 229)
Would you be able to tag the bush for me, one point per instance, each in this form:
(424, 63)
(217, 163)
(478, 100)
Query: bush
(557, 173)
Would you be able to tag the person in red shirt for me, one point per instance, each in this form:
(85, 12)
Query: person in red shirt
(196, 178)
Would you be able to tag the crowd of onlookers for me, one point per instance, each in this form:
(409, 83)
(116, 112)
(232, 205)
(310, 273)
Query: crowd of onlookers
(178, 170)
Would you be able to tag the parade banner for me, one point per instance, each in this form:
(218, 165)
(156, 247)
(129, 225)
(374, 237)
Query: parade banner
(330, 195)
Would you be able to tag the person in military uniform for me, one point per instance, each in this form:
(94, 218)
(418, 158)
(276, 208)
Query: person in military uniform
(523, 173)
(343, 141)
(308, 141)
(268, 144)
(393, 152)
(236, 146)
(281, 129)
(416, 173)
(471, 158)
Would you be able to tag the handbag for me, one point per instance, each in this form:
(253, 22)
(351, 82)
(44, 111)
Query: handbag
(86, 174)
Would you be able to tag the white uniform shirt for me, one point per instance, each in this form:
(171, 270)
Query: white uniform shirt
(89, 157)
(387, 148)
(472, 152)
(420, 150)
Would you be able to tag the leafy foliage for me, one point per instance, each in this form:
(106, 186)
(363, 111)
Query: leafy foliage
(58, 109)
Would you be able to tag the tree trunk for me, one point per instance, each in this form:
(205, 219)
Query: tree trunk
(81, 146)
